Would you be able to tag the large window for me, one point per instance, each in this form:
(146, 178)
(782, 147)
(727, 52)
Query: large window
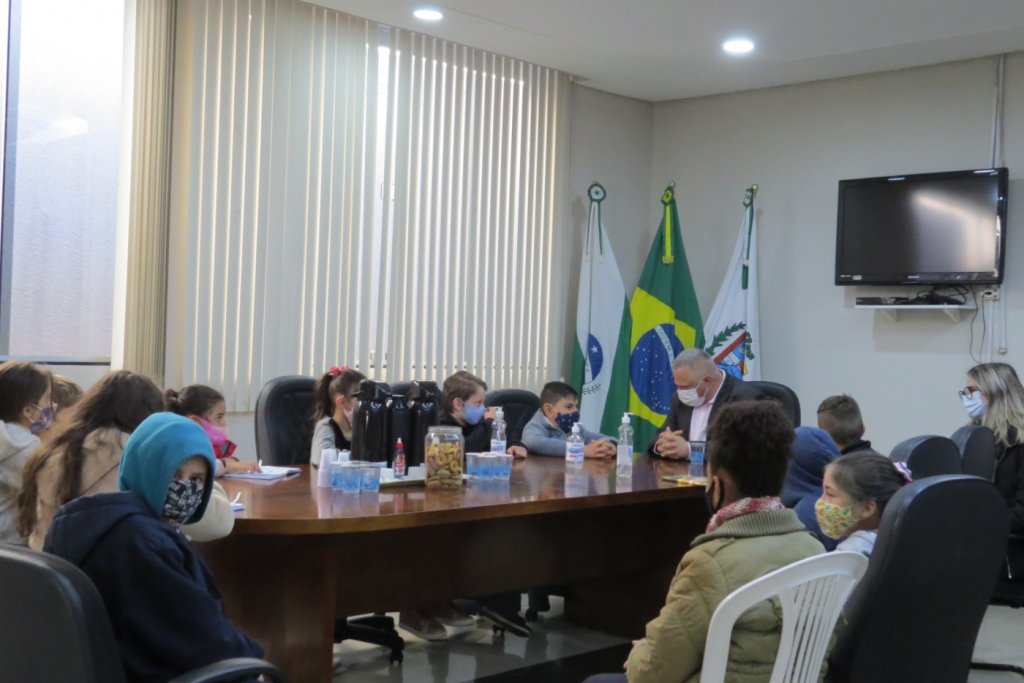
(348, 193)
(60, 177)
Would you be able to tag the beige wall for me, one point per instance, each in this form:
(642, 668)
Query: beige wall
(797, 142)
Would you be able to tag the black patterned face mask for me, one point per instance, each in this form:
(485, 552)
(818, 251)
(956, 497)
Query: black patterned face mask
(183, 499)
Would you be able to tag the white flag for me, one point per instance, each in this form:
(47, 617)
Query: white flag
(731, 333)
(601, 353)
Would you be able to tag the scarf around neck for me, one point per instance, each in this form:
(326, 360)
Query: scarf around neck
(744, 506)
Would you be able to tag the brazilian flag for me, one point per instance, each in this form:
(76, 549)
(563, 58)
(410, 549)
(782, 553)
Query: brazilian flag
(666, 320)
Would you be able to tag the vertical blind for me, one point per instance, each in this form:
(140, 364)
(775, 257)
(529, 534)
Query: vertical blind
(350, 193)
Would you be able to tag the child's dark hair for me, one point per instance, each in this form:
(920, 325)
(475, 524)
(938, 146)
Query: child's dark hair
(868, 476)
(461, 385)
(553, 392)
(752, 441)
(195, 399)
(343, 381)
(121, 400)
(21, 384)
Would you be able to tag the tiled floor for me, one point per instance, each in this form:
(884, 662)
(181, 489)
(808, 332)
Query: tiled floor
(1001, 640)
(475, 653)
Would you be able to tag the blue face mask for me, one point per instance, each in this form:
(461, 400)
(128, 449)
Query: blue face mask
(45, 418)
(473, 414)
(565, 421)
(974, 405)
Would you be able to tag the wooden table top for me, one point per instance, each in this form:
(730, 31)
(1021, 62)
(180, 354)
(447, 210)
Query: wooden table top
(296, 506)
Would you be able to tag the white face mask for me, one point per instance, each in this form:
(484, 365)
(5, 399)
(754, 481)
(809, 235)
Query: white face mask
(690, 397)
(974, 405)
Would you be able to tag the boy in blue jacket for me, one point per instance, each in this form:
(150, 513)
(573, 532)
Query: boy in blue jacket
(160, 597)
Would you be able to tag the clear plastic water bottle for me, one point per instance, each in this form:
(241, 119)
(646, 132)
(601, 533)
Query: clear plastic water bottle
(399, 462)
(624, 454)
(574, 448)
(498, 442)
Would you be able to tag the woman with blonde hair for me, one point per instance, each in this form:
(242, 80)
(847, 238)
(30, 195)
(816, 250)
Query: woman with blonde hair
(993, 397)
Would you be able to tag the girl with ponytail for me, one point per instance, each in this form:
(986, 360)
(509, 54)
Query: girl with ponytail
(335, 401)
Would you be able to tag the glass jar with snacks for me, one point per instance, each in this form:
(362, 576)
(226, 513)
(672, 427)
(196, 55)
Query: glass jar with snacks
(443, 457)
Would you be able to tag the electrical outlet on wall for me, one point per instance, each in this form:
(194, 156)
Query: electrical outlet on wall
(990, 293)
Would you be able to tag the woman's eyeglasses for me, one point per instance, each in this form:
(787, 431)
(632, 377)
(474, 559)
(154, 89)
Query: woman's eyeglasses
(968, 390)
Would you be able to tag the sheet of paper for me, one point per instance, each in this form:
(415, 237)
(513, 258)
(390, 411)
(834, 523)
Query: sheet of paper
(269, 472)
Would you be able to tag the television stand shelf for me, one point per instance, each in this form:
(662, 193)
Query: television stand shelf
(892, 311)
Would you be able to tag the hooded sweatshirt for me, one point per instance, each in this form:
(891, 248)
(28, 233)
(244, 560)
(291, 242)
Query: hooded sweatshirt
(161, 599)
(813, 449)
(17, 443)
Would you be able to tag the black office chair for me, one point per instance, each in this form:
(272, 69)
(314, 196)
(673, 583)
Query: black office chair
(977, 446)
(54, 627)
(928, 456)
(518, 405)
(284, 432)
(979, 451)
(284, 420)
(784, 395)
(916, 613)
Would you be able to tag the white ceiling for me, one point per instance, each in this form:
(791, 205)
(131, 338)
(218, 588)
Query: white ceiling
(670, 49)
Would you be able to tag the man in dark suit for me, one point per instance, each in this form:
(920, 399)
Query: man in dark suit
(701, 391)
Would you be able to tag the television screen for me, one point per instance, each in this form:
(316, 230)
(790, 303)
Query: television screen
(929, 228)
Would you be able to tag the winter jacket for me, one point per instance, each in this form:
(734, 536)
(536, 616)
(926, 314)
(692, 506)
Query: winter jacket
(17, 443)
(813, 449)
(739, 551)
(161, 598)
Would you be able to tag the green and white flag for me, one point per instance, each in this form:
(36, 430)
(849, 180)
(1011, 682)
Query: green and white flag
(732, 333)
(600, 359)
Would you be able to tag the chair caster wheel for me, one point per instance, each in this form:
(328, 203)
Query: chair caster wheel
(532, 614)
(498, 631)
(395, 658)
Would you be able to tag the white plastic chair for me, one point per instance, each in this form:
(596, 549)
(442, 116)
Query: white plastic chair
(812, 593)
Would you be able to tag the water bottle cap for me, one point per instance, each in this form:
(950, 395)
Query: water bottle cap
(398, 444)
(575, 427)
(625, 418)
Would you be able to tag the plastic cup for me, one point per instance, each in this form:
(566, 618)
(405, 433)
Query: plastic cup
(697, 451)
(328, 455)
(371, 477)
(487, 463)
(473, 464)
(349, 477)
(503, 466)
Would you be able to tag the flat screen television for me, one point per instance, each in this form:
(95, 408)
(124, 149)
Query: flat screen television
(928, 228)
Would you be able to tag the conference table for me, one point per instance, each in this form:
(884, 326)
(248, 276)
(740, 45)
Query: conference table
(300, 555)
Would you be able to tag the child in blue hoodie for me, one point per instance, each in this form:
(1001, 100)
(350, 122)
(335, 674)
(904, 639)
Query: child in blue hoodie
(160, 596)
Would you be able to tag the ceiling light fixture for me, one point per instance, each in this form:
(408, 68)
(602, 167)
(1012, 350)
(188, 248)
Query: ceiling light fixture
(738, 46)
(426, 14)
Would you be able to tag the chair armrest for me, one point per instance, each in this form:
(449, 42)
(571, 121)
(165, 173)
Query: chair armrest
(231, 670)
